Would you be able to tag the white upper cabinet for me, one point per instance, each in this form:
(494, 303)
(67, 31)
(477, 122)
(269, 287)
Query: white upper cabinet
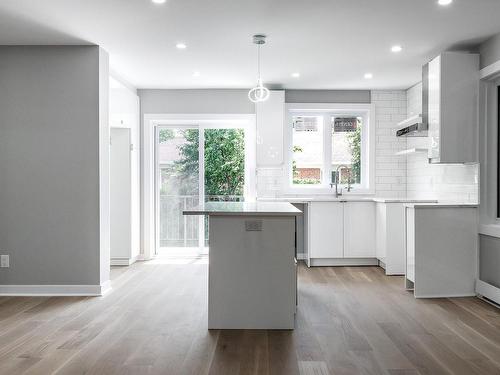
(270, 122)
(359, 230)
(453, 105)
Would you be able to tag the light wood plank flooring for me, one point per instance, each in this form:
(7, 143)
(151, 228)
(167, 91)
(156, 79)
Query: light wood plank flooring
(351, 320)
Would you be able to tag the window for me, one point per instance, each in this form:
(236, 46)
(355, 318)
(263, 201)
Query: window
(324, 142)
(307, 164)
(346, 148)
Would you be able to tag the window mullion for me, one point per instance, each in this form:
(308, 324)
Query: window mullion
(327, 150)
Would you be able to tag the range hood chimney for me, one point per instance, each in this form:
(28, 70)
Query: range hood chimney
(418, 126)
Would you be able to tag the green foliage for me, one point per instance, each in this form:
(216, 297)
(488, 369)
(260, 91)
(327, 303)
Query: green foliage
(165, 135)
(354, 139)
(224, 162)
(305, 181)
(294, 163)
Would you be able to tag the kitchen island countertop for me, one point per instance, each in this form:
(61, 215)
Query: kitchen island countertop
(244, 209)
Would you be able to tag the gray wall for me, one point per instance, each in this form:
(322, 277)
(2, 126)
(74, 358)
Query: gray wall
(49, 169)
(328, 96)
(194, 101)
(490, 51)
(234, 101)
(489, 265)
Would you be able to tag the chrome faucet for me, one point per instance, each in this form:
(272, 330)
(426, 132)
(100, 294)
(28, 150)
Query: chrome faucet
(337, 178)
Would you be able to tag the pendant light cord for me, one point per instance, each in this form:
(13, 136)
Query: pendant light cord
(258, 61)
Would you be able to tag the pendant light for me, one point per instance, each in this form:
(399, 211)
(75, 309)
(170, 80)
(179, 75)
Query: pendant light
(259, 93)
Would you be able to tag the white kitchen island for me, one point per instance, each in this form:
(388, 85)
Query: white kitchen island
(252, 276)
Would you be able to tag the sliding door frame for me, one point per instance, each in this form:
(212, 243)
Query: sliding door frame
(150, 220)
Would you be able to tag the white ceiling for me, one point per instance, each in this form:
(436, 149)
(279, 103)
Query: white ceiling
(332, 43)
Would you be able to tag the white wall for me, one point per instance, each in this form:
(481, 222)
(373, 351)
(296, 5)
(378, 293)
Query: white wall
(53, 120)
(124, 113)
(444, 182)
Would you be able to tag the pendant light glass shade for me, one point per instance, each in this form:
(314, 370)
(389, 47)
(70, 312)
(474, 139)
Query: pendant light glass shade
(259, 93)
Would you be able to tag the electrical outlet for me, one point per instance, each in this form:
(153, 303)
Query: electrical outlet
(253, 225)
(4, 261)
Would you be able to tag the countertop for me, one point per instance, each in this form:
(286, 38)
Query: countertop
(441, 205)
(244, 209)
(345, 199)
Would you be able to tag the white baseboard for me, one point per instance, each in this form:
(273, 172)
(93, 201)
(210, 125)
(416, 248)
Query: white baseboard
(326, 262)
(487, 290)
(301, 256)
(55, 290)
(457, 295)
(124, 261)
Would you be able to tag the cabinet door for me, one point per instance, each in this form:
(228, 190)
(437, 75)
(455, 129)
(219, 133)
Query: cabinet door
(410, 244)
(326, 230)
(359, 230)
(434, 119)
(270, 122)
(381, 231)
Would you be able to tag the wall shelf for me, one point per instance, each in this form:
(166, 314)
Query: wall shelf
(412, 151)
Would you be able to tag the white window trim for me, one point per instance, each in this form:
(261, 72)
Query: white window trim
(367, 111)
(151, 121)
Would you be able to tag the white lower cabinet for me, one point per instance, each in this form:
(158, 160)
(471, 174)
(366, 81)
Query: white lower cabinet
(326, 229)
(341, 233)
(359, 230)
(390, 237)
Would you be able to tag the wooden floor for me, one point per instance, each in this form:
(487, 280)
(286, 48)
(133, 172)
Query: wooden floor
(351, 320)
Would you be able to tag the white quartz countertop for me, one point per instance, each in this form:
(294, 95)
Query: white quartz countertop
(441, 205)
(345, 199)
(244, 209)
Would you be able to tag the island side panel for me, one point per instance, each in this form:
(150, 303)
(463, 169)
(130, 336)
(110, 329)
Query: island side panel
(252, 274)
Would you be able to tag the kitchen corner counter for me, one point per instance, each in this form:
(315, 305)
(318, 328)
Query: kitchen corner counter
(244, 209)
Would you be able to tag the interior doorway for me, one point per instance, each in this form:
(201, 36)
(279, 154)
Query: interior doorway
(195, 163)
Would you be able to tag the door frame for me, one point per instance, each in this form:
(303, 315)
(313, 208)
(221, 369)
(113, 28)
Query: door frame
(149, 230)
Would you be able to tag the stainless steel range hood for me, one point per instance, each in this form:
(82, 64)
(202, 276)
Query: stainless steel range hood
(417, 126)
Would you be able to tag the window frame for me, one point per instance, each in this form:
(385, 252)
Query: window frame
(328, 110)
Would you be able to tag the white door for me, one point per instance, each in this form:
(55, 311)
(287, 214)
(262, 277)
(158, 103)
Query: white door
(326, 230)
(120, 196)
(359, 230)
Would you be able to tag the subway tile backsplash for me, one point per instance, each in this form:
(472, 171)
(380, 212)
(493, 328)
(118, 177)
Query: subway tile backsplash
(390, 170)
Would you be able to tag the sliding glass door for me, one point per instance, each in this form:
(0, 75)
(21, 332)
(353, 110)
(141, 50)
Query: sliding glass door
(195, 163)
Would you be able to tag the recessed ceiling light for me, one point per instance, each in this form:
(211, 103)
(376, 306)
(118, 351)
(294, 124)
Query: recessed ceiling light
(181, 46)
(445, 2)
(296, 75)
(368, 75)
(196, 74)
(396, 48)
(159, 1)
